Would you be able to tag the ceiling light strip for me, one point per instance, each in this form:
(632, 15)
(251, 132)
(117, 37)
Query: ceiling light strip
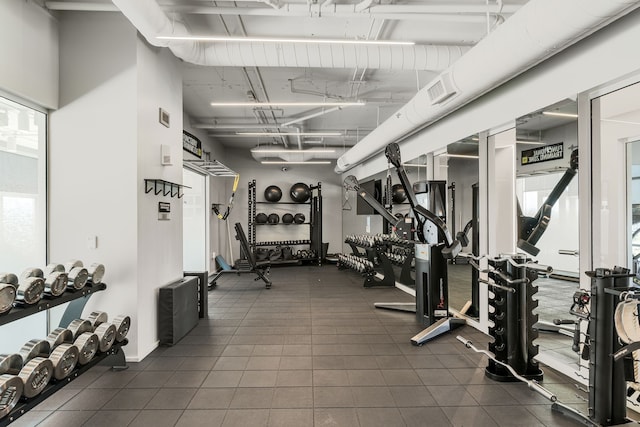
(288, 104)
(460, 156)
(556, 114)
(260, 150)
(225, 39)
(311, 162)
(289, 133)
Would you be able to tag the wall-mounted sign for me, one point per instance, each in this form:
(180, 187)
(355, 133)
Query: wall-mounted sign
(191, 144)
(542, 154)
(164, 211)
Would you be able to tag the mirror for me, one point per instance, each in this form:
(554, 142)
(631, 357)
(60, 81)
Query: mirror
(548, 218)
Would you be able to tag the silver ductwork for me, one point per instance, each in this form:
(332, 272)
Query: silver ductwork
(537, 31)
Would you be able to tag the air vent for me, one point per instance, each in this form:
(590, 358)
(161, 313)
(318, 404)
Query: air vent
(441, 89)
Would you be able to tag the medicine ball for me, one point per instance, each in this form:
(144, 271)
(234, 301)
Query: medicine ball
(298, 218)
(300, 192)
(273, 193)
(397, 193)
(261, 218)
(262, 254)
(273, 218)
(287, 218)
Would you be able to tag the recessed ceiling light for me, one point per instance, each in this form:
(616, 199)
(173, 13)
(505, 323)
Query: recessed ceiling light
(289, 133)
(284, 40)
(313, 150)
(287, 104)
(556, 114)
(284, 162)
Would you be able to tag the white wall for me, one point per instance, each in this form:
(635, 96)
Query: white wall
(104, 141)
(266, 175)
(29, 52)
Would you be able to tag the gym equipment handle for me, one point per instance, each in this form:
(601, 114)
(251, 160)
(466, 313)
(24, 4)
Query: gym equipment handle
(568, 252)
(533, 385)
(495, 285)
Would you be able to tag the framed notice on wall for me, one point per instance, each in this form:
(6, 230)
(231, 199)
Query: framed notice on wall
(191, 144)
(542, 154)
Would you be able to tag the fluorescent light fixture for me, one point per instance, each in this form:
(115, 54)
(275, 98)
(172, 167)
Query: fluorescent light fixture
(284, 162)
(460, 156)
(626, 122)
(555, 114)
(313, 150)
(289, 133)
(283, 40)
(288, 104)
(415, 165)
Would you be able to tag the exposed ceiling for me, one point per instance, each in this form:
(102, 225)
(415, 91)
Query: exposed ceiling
(454, 27)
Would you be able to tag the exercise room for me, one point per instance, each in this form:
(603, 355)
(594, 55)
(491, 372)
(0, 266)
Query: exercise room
(337, 213)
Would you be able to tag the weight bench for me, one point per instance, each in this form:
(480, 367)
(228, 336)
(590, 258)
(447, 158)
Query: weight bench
(249, 265)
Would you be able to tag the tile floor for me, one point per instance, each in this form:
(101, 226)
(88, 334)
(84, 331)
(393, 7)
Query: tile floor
(311, 351)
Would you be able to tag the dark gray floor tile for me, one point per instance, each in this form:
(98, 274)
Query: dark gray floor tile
(263, 363)
(84, 380)
(212, 398)
(164, 364)
(114, 379)
(269, 350)
(421, 417)
(512, 416)
(222, 379)
(469, 416)
(380, 417)
(257, 398)
(294, 378)
(491, 394)
(336, 417)
(237, 350)
(186, 379)
(332, 397)
(58, 399)
(290, 418)
(197, 364)
(238, 363)
(296, 350)
(470, 376)
(401, 377)
(258, 379)
(131, 398)
(31, 418)
(330, 377)
(201, 418)
(295, 362)
(412, 396)
(360, 362)
(370, 397)
(89, 399)
(75, 418)
(436, 377)
(451, 395)
(111, 418)
(328, 362)
(246, 417)
(150, 379)
(548, 417)
(292, 397)
(171, 398)
(365, 377)
(424, 361)
(393, 362)
(156, 418)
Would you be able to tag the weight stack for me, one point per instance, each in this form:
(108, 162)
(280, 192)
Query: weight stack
(513, 320)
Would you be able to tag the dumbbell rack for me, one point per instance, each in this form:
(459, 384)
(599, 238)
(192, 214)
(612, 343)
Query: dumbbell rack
(513, 319)
(17, 313)
(376, 251)
(315, 225)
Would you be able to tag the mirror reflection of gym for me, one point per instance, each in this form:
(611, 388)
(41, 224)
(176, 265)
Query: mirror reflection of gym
(459, 166)
(547, 195)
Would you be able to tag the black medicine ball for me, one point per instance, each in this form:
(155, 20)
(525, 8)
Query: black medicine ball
(274, 218)
(261, 218)
(397, 193)
(287, 218)
(299, 218)
(272, 193)
(300, 192)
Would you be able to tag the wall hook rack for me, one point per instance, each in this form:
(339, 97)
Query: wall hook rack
(165, 187)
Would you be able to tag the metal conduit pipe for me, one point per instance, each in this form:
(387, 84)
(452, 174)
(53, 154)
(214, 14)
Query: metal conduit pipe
(538, 30)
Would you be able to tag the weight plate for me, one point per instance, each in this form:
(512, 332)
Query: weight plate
(10, 278)
(56, 283)
(80, 326)
(71, 264)
(88, 344)
(30, 290)
(59, 336)
(50, 268)
(96, 273)
(31, 272)
(7, 297)
(78, 277)
(106, 333)
(10, 364)
(35, 348)
(10, 391)
(64, 358)
(122, 324)
(97, 317)
(35, 376)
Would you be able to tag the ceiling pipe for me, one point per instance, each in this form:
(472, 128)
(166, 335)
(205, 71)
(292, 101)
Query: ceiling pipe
(311, 116)
(294, 156)
(537, 31)
(150, 20)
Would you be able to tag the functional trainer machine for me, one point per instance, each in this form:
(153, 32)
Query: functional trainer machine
(434, 245)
